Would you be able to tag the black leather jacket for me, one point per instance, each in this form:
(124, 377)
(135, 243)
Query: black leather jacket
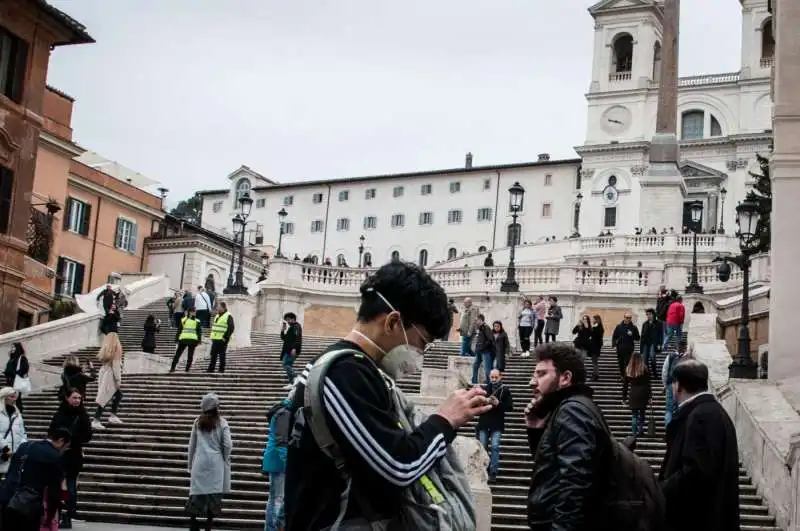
(566, 475)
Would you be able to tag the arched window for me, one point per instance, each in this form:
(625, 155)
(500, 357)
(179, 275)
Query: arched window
(367, 259)
(340, 261)
(657, 62)
(314, 259)
(767, 43)
(452, 253)
(692, 125)
(514, 234)
(622, 59)
(576, 216)
(482, 249)
(395, 255)
(716, 129)
(242, 187)
(423, 257)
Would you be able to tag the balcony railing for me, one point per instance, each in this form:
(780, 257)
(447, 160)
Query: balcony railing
(619, 76)
(767, 62)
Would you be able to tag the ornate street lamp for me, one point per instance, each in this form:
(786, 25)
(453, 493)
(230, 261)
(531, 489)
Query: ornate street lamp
(361, 250)
(281, 217)
(696, 210)
(747, 217)
(578, 199)
(236, 284)
(264, 262)
(721, 230)
(516, 195)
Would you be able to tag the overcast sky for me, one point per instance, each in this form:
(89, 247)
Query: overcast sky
(186, 91)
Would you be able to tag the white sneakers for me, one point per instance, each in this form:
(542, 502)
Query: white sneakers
(526, 354)
(288, 387)
(113, 419)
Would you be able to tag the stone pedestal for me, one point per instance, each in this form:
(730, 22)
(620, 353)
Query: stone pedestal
(475, 461)
(242, 308)
(662, 189)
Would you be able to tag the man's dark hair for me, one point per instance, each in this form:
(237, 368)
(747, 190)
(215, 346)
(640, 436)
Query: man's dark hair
(565, 358)
(553, 298)
(419, 299)
(482, 317)
(650, 310)
(57, 433)
(224, 306)
(691, 375)
(289, 315)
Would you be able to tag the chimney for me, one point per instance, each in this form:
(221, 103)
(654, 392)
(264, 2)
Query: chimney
(469, 161)
(544, 157)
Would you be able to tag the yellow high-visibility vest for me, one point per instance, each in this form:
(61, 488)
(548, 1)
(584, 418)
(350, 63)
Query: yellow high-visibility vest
(188, 329)
(220, 326)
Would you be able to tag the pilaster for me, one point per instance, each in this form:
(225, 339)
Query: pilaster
(242, 308)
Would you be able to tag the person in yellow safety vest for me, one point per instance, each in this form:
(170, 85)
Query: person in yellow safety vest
(188, 336)
(221, 331)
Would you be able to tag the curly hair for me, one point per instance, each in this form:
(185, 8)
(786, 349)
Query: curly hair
(565, 358)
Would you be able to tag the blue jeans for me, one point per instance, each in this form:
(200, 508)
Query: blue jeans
(72, 501)
(638, 421)
(288, 360)
(672, 330)
(494, 450)
(649, 355)
(274, 518)
(670, 406)
(486, 359)
(466, 350)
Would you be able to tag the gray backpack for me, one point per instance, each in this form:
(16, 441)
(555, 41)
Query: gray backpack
(440, 500)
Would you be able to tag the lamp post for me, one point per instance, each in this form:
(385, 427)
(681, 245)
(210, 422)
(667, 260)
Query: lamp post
(361, 250)
(721, 230)
(237, 226)
(578, 199)
(696, 210)
(747, 217)
(281, 219)
(236, 285)
(264, 261)
(516, 195)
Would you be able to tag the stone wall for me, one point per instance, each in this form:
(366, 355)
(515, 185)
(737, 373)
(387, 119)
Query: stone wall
(322, 320)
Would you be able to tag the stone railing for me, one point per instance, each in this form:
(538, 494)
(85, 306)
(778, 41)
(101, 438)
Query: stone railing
(616, 250)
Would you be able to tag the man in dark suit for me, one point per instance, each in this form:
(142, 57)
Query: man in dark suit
(700, 472)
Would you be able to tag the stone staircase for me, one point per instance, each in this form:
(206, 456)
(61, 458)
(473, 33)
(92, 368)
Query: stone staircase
(136, 473)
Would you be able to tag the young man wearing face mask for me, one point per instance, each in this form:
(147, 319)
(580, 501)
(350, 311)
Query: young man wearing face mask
(402, 310)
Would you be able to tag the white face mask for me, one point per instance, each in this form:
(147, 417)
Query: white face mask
(402, 360)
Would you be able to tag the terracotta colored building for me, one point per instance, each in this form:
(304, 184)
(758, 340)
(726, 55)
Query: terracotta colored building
(29, 29)
(85, 225)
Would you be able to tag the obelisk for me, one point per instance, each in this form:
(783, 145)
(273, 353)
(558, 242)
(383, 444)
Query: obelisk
(663, 189)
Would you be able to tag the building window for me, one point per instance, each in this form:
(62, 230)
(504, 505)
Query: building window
(344, 195)
(316, 198)
(548, 180)
(367, 260)
(69, 277)
(242, 188)
(514, 236)
(216, 206)
(395, 256)
(426, 218)
(547, 210)
(369, 193)
(767, 43)
(452, 253)
(13, 63)
(76, 216)
(716, 129)
(482, 249)
(426, 189)
(455, 187)
(398, 191)
(610, 217)
(398, 220)
(454, 216)
(487, 184)
(370, 222)
(343, 224)
(261, 203)
(340, 261)
(484, 214)
(125, 238)
(317, 225)
(622, 55)
(288, 227)
(692, 125)
(657, 62)
(423, 257)
(6, 195)
(288, 200)
(612, 180)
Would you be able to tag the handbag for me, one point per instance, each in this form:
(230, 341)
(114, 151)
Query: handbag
(26, 501)
(22, 384)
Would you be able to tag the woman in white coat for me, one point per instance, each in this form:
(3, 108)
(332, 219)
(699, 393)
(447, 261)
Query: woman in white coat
(109, 380)
(210, 447)
(12, 428)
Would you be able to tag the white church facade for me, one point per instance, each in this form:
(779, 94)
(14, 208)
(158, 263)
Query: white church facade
(724, 120)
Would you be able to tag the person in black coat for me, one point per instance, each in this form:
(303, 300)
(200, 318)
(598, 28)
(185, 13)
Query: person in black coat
(110, 322)
(502, 346)
(624, 340)
(72, 416)
(149, 339)
(108, 296)
(652, 337)
(596, 345)
(17, 365)
(491, 424)
(73, 377)
(583, 335)
(700, 472)
(639, 378)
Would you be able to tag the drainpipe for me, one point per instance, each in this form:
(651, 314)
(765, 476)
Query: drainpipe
(183, 270)
(496, 213)
(94, 241)
(325, 231)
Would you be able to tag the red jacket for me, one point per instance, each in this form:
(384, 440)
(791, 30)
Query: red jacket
(676, 313)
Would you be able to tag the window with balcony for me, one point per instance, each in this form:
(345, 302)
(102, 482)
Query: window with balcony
(455, 187)
(316, 198)
(452, 253)
(398, 191)
(454, 216)
(426, 218)
(125, 235)
(216, 206)
(317, 225)
(288, 200)
(621, 57)
(343, 224)
(77, 216)
(370, 222)
(398, 220)
(13, 63)
(484, 214)
(370, 193)
(423, 257)
(344, 195)
(69, 277)
(767, 44)
(426, 189)
(6, 196)
(610, 217)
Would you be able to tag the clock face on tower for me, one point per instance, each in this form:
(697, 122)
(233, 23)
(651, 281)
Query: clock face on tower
(616, 120)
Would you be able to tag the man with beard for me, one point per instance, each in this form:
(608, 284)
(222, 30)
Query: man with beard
(567, 438)
(402, 310)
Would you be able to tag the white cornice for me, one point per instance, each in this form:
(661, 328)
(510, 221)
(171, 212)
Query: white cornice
(169, 245)
(119, 198)
(729, 141)
(64, 147)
